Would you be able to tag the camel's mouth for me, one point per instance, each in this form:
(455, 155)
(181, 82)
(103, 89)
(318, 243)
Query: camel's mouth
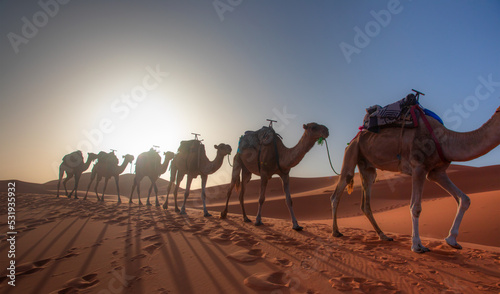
(320, 141)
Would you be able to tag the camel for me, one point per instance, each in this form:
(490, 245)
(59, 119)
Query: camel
(267, 162)
(415, 153)
(107, 167)
(191, 159)
(73, 165)
(149, 165)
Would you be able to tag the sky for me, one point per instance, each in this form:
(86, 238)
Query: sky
(128, 75)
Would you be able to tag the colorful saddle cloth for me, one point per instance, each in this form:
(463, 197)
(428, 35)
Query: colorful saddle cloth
(392, 115)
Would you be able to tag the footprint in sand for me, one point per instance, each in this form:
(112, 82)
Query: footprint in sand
(282, 261)
(32, 267)
(247, 255)
(151, 238)
(268, 281)
(151, 248)
(353, 284)
(80, 283)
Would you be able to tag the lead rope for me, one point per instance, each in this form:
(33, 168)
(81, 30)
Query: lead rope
(329, 159)
(228, 160)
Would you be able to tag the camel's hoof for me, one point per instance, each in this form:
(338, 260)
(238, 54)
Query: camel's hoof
(157, 204)
(385, 238)
(76, 197)
(298, 228)
(207, 214)
(258, 223)
(223, 215)
(177, 210)
(140, 203)
(454, 245)
(131, 202)
(165, 206)
(247, 220)
(337, 234)
(420, 249)
(182, 212)
(148, 204)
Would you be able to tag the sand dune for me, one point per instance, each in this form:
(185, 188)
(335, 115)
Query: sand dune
(75, 246)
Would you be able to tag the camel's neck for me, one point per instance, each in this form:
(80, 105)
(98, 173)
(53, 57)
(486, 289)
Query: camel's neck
(86, 164)
(122, 167)
(470, 145)
(290, 157)
(209, 167)
(164, 165)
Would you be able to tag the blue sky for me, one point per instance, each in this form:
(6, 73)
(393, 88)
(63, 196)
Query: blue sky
(220, 73)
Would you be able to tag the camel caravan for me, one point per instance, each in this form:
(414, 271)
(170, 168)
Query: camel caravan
(401, 137)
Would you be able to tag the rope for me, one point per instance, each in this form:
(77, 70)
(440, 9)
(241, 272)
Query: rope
(329, 159)
(228, 161)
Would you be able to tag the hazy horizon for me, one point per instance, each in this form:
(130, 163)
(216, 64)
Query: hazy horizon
(129, 75)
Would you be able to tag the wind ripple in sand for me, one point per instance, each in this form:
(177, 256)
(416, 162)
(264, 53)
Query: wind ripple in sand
(267, 281)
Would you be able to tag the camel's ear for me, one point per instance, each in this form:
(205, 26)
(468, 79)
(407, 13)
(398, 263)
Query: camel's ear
(123, 156)
(304, 126)
(216, 147)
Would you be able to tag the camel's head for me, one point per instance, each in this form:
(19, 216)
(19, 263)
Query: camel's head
(169, 155)
(224, 149)
(128, 158)
(92, 156)
(316, 131)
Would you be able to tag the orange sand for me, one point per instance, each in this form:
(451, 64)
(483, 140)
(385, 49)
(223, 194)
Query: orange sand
(75, 246)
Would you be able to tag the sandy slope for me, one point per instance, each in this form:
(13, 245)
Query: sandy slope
(75, 246)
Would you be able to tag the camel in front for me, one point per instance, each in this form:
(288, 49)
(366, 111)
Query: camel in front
(415, 153)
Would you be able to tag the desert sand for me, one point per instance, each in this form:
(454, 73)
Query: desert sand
(74, 246)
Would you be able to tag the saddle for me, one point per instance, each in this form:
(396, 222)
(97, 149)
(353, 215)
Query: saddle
(255, 139)
(191, 150)
(396, 114)
(107, 159)
(73, 159)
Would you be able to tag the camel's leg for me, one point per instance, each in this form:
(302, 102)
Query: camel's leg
(68, 177)
(173, 173)
(176, 189)
(246, 175)
(204, 195)
(186, 193)
(235, 178)
(95, 188)
(346, 179)
(153, 181)
(149, 193)
(368, 176)
(92, 177)
(286, 187)
(418, 178)
(104, 188)
(117, 188)
(61, 174)
(75, 189)
(463, 202)
(262, 198)
(134, 186)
